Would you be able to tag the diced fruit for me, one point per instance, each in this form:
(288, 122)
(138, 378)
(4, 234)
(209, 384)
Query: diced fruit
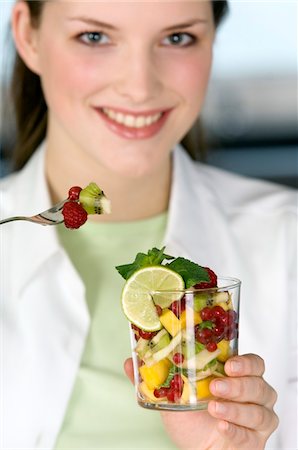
(225, 306)
(192, 316)
(155, 339)
(200, 301)
(164, 352)
(156, 374)
(178, 307)
(219, 297)
(178, 358)
(202, 386)
(224, 348)
(161, 393)
(163, 342)
(170, 322)
(211, 346)
(93, 200)
(142, 347)
(136, 300)
(147, 393)
(200, 360)
(186, 390)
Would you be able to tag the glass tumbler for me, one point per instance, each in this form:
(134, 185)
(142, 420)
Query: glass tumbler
(174, 366)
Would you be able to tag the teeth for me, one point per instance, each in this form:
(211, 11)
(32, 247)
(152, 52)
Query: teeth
(132, 121)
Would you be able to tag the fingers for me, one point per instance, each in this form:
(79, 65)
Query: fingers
(240, 437)
(244, 390)
(128, 368)
(250, 416)
(245, 365)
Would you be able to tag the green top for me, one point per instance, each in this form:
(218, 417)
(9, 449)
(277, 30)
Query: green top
(102, 412)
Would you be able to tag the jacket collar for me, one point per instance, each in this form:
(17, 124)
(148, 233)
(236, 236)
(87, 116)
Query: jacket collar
(198, 226)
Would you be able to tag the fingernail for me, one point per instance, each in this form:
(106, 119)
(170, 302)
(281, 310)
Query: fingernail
(221, 387)
(220, 408)
(235, 366)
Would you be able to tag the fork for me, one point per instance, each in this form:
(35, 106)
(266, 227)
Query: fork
(52, 216)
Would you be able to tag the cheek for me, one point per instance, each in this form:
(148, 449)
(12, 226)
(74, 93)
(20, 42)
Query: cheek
(67, 77)
(190, 77)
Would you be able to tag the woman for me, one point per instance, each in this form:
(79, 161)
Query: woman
(122, 84)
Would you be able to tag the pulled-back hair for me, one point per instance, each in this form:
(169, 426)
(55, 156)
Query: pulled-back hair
(30, 108)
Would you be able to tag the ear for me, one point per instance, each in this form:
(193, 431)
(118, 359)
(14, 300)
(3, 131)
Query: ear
(25, 36)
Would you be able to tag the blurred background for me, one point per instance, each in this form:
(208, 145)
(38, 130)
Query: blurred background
(250, 115)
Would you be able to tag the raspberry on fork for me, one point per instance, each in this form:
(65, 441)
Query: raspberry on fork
(74, 215)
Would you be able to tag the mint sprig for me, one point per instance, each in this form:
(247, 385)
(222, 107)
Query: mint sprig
(154, 257)
(191, 272)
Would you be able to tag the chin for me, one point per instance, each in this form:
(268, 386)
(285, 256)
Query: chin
(136, 167)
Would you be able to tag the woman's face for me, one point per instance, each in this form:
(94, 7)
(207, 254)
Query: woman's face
(124, 81)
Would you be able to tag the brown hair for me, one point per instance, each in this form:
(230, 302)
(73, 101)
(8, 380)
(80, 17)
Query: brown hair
(30, 108)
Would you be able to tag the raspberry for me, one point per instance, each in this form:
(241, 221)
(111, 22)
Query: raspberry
(207, 284)
(74, 193)
(74, 215)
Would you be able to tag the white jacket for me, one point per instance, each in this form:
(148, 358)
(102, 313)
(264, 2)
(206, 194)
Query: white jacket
(238, 226)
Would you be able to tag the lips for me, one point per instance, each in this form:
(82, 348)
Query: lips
(132, 125)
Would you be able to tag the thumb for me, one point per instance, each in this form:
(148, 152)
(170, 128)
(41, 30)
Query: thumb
(128, 368)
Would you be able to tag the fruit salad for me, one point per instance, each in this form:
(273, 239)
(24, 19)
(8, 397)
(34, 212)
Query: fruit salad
(81, 202)
(184, 326)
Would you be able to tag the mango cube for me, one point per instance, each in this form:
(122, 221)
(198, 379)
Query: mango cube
(156, 374)
(148, 393)
(225, 352)
(191, 313)
(170, 321)
(203, 388)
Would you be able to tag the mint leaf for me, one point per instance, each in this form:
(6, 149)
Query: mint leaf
(191, 272)
(154, 257)
(206, 324)
(172, 371)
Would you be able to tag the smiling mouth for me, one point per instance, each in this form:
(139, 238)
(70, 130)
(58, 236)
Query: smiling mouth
(132, 121)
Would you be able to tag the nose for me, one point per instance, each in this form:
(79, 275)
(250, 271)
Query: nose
(139, 80)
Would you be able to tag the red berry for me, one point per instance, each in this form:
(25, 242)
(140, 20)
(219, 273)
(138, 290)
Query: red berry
(174, 395)
(232, 316)
(161, 392)
(218, 332)
(147, 334)
(207, 284)
(211, 346)
(178, 358)
(74, 215)
(74, 193)
(177, 383)
(218, 311)
(178, 306)
(206, 313)
(230, 333)
(204, 336)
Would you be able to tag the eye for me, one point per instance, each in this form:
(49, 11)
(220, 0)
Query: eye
(94, 38)
(180, 39)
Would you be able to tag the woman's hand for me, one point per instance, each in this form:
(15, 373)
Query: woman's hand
(242, 417)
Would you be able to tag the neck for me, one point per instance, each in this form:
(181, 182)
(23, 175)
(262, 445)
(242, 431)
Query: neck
(132, 198)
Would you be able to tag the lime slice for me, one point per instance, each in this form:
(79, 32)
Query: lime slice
(137, 302)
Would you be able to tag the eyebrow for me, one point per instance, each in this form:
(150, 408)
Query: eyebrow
(108, 26)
